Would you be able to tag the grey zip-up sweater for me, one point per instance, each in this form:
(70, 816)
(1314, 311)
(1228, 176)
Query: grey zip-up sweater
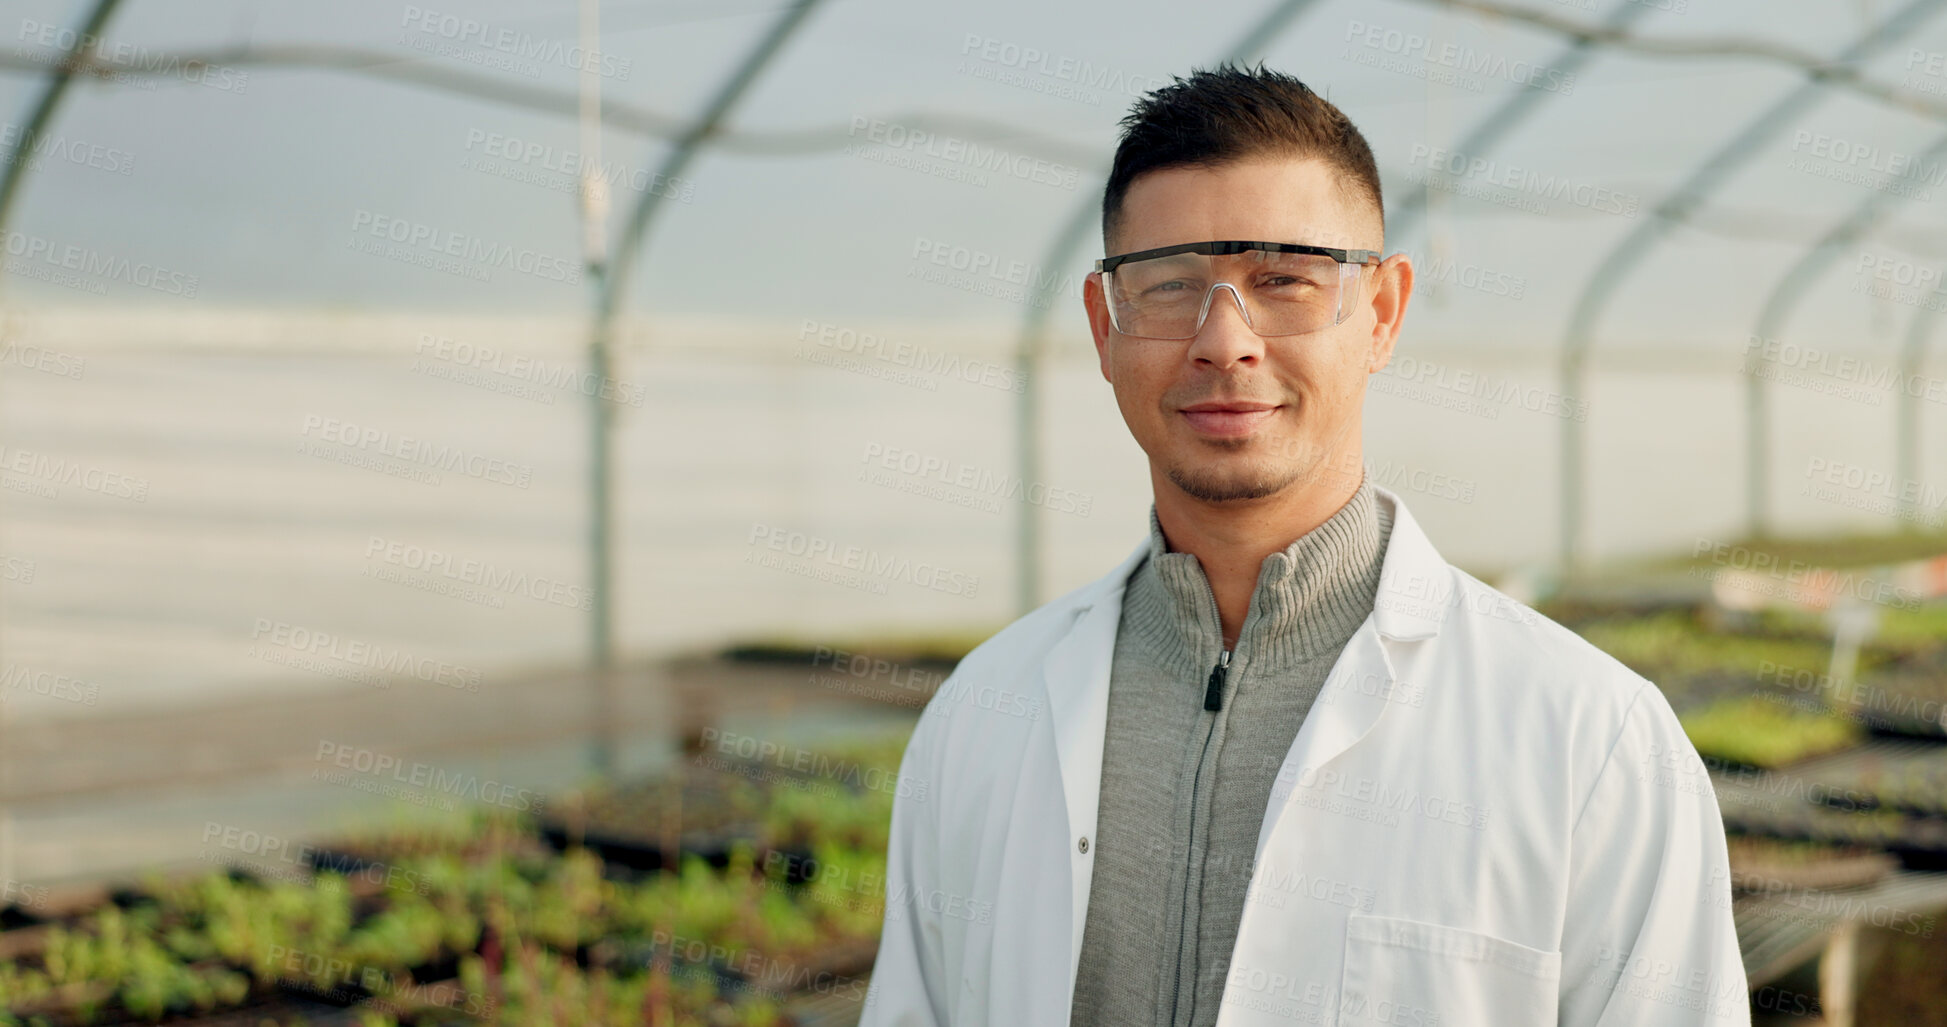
(1183, 788)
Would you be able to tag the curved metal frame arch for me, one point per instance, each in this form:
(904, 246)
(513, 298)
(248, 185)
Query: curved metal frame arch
(1907, 407)
(1490, 130)
(1603, 282)
(610, 279)
(1034, 331)
(684, 147)
(1779, 306)
(1832, 74)
(59, 78)
(610, 274)
(620, 115)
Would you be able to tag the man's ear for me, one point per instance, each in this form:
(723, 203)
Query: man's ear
(1392, 287)
(1097, 305)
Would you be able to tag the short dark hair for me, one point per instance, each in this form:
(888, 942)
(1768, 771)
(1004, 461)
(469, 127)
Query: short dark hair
(1228, 114)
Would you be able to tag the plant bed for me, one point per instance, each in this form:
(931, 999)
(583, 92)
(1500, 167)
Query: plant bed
(531, 985)
(1695, 661)
(220, 943)
(641, 853)
(857, 765)
(314, 940)
(480, 836)
(848, 803)
(281, 1010)
(1914, 632)
(1758, 731)
(23, 942)
(1911, 782)
(780, 894)
(937, 651)
(625, 824)
(14, 917)
(1920, 843)
(747, 925)
(350, 987)
(1906, 697)
(115, 973)
(1691, 691)
(109, 963)
(828, 1009)
(719, 802)
(1677, 646)
(740, 972)
(444, 1003)
(1766, 864)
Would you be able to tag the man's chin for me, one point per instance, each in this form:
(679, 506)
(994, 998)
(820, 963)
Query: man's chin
(1227, 487)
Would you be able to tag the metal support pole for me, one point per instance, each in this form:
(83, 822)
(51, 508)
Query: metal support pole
(593, 208)
(19, 160)
(1032, 343)
(611, 287)
(1906, 406)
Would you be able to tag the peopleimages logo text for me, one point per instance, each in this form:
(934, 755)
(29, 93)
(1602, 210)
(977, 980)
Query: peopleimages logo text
(438, 456)
(1457, 58)
(1526, 181)
(858, 560)
(513, 42)
(141, 63)
(31, 251)
(416, 236)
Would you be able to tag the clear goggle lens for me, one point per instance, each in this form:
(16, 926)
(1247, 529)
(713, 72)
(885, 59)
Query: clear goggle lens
(1169, 297)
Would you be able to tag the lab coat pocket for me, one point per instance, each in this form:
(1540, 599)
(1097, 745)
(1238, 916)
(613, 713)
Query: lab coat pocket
(1409, 973)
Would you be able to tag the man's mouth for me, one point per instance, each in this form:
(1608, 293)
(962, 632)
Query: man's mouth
(1228, 419)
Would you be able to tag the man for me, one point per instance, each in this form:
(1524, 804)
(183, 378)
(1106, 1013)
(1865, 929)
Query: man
(1285, 764)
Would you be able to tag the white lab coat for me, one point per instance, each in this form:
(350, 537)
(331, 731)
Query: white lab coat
(1483, 820)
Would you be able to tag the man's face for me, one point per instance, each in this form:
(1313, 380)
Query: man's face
(1231, 416)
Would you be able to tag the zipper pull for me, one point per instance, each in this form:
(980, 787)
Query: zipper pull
(1213, 695)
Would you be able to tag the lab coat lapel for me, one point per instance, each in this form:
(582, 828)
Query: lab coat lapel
(1414, 583)
(1075, 676)
(1354, 695)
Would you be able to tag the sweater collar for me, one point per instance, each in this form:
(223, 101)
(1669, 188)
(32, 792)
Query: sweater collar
(1310, 596)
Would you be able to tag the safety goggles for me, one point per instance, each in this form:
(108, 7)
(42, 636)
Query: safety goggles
(1281, 288)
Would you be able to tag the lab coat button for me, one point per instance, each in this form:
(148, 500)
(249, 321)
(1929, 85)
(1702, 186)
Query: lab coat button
(1083, 845)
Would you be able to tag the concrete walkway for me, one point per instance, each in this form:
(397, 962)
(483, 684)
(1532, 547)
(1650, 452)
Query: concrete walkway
(81, 799)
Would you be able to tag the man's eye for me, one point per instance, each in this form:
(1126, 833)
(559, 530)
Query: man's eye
(1166, 288)
(1288, 282)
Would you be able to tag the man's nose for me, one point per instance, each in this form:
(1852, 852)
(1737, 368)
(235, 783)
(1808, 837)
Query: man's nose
(1225, 335)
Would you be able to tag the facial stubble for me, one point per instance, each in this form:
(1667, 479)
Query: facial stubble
(1222, 488)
